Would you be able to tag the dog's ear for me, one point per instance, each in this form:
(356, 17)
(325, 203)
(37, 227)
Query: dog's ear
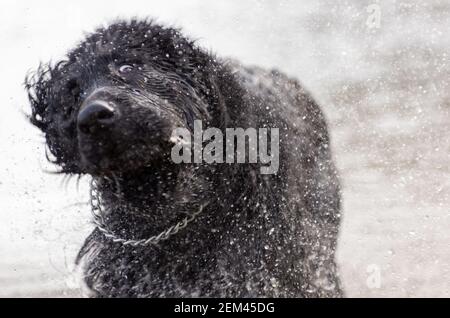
(36, 85)
(46, 112)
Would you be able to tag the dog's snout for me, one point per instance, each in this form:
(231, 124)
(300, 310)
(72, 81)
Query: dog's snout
(95, 116)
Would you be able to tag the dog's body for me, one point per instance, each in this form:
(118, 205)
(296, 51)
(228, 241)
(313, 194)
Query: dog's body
(257, 235)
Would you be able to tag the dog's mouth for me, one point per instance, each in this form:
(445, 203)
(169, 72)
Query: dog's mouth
(115, 156)
(107, 159)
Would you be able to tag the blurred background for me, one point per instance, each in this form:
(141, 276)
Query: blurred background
(380, 70)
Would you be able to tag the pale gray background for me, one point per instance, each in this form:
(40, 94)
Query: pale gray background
(385, 92)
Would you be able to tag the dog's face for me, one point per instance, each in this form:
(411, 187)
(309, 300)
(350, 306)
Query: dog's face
(112, 105)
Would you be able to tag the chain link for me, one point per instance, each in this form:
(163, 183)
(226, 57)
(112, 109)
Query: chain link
(97, 213)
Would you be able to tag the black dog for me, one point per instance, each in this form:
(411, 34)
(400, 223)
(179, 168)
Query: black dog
(166, 229)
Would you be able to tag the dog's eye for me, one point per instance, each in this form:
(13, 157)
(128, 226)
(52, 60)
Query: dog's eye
(126, 69)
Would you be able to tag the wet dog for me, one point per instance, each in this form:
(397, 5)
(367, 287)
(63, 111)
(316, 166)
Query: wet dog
(189, 229)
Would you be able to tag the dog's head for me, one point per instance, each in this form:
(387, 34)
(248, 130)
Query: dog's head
(112, 104)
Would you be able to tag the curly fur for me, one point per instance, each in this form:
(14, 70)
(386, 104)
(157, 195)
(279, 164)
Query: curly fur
(259, 236)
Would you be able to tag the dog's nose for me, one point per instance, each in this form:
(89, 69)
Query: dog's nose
(95, 116)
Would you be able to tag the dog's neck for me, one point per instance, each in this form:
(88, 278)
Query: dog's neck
(142, 204)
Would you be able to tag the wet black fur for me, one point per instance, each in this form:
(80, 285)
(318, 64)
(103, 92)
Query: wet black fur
(260, 235)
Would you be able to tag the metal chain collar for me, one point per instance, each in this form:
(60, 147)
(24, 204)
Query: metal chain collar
(97, 213)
